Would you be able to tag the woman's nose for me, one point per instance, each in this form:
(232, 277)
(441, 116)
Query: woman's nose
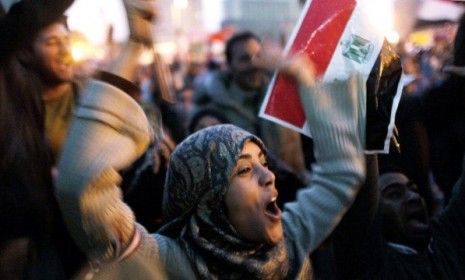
(266, 177)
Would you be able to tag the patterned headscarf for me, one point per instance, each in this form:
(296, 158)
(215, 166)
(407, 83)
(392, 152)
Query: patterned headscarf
(197, 180)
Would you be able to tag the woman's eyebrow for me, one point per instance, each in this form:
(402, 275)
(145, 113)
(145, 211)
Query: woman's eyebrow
(245, 156)
(249, 156)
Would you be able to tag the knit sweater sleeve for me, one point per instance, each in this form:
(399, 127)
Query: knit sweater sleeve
(333, 113)
(109, 131)
(143, 263)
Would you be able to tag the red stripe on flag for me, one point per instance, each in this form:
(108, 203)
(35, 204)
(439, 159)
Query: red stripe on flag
(318, 37)
(321, 30)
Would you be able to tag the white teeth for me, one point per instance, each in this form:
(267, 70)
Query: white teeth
(273, 199)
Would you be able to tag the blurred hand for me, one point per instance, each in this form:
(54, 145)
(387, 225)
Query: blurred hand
(140, 15)
(268, 60)
(162, 153)
(301, 68)
(298, 66)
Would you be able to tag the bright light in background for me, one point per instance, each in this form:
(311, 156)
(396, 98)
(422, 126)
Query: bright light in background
(393, 37)
(146, 58)
(167, 49)
(217, 48)
(181, 4)
(81, 49)
(381, 15)
(93, 19)
(78, 51)
(212, 15)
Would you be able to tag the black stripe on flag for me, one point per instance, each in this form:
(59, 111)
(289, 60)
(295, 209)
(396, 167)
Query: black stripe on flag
(382, 85)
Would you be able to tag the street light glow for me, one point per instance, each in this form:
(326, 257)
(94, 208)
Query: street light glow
(380, 13)
(393, 37)
(181, 4)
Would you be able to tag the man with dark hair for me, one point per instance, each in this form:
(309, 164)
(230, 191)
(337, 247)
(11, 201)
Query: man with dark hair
(47, 53)
(51, 58)
(239, 37)
(405, 219)
(243, 53)
(238, 93)
(401, 242)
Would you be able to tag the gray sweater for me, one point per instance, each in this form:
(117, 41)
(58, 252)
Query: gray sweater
(110, 131)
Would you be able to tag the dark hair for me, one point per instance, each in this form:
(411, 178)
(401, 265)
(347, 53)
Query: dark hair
(22, 140)
(238, 38)
(21, 24)
(203, 113)
(459, 43)
(387, 164)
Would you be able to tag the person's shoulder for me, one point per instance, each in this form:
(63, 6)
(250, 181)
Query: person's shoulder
(164, 241)
(212, 81)
(209, 86)
(168, 247)
(171, 253)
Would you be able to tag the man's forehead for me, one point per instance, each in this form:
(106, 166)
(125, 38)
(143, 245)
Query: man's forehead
(55, 29)
(390, 178)
(249, 45)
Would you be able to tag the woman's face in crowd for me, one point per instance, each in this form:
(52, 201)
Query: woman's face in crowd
(251, 198)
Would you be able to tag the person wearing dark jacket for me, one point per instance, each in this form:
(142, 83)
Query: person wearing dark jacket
(443, 113)
(401, 243)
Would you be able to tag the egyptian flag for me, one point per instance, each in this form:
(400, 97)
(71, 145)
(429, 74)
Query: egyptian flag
(339, 37)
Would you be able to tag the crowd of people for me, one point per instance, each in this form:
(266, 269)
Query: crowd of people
(113, 177)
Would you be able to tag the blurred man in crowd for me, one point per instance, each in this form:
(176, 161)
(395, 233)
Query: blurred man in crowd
(401, 242)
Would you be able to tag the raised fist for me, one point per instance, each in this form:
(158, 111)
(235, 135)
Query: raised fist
(140, 15)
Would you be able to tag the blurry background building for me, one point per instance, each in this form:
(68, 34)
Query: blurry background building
(196, 30)
(270, 19)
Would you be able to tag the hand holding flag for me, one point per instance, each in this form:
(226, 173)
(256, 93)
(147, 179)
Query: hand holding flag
(339, 37)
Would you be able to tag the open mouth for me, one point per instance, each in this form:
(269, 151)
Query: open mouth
(272, 210)
(418, 215)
